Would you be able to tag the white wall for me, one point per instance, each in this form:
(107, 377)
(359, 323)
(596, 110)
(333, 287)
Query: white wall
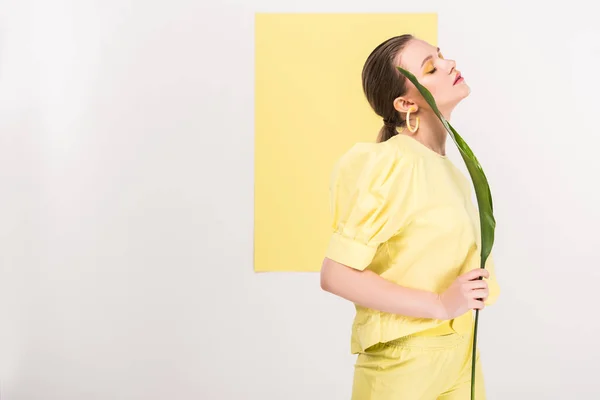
(126, 203)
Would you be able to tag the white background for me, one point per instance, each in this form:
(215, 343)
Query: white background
(126, 176)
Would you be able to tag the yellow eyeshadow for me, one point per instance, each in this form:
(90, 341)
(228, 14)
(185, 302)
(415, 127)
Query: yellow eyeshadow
(428, 67)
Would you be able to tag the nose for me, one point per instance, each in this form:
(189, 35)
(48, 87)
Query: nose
(452, 64)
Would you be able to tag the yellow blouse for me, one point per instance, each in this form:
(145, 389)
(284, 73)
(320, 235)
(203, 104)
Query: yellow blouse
(405, 212)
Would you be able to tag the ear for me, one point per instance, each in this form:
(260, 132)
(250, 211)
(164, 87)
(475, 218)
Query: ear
(403, 105)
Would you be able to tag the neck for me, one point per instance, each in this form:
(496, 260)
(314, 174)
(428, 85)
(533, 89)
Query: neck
(431, 132)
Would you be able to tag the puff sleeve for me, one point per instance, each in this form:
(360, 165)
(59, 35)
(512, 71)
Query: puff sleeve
(369, 202)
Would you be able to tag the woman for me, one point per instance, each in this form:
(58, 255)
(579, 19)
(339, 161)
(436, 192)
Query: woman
(405, 246)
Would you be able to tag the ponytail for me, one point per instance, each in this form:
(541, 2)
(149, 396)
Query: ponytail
(388, 130)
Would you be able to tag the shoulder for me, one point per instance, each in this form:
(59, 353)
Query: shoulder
(365, 163)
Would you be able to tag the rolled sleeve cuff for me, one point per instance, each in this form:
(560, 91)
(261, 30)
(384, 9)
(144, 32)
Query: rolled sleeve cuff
(350, 252)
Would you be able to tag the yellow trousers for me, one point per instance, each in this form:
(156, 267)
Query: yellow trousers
(432, 365)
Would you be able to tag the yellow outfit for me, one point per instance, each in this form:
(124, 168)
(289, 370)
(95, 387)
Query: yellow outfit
(406, 213)
(426, 366)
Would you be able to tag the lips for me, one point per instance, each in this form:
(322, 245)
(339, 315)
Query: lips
(458, 78)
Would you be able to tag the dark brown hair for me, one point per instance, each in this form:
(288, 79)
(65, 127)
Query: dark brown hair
(383, 83)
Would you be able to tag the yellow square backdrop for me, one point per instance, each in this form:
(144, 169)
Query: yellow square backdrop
(309, 109)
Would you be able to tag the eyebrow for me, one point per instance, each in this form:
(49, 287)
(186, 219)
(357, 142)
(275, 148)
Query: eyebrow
(428, 58)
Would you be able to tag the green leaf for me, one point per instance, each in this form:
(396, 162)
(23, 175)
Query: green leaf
(482, 192)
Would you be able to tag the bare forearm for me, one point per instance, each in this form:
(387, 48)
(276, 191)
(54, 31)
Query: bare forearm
(367, 289)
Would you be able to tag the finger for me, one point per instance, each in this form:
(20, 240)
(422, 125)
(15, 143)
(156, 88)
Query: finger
(476, 284)
(475, 274)
(477, 305)
(477, 291)
(479, 294)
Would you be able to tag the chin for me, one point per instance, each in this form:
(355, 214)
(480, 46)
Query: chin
(465, 92)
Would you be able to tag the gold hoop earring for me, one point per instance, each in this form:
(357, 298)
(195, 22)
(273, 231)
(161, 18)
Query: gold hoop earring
(410, 128)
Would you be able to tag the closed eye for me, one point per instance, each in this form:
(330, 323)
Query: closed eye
(440, 55)
(429, 58)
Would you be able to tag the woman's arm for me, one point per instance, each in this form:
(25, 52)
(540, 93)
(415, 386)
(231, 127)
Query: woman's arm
(367, 289)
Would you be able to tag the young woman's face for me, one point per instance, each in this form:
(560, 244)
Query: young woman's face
(436, 73)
